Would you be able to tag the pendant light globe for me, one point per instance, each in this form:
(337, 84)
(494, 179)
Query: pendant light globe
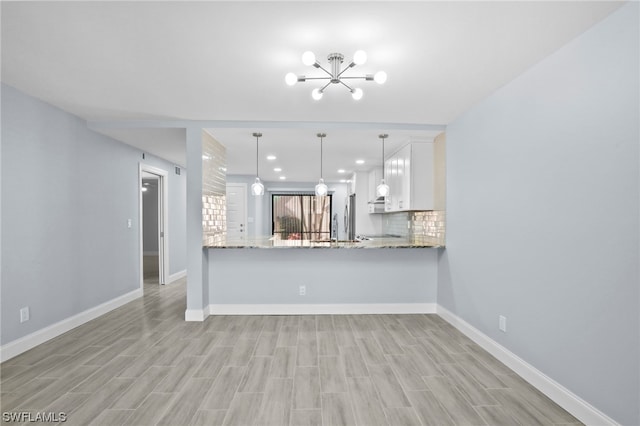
(382, 190)
(321, 188)
(257, 188)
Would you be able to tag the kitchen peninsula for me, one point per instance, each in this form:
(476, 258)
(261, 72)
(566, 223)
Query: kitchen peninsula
(388, 275)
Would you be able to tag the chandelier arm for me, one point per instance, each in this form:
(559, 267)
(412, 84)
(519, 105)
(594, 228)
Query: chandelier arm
(346, 85)
(351, 65)
(317, 78)
(364, 77)
(325, 86)
(323, 69)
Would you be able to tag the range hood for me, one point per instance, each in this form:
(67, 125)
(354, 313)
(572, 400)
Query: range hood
(377, 205)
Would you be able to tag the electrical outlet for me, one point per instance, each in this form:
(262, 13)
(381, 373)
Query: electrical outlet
(303, 290)
(24, 314)
(502, 323)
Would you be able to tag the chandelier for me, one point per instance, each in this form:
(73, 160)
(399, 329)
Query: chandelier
(335, 75)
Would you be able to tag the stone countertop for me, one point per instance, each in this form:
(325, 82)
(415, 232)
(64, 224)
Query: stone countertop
(372, 243)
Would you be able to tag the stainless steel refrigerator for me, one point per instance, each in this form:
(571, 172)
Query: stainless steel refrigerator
(350, 217)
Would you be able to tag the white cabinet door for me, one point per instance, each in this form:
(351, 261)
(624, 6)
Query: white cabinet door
(388, 166)
(410, 178)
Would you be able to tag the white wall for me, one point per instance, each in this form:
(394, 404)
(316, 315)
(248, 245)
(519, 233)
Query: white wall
(67, 193)
(542, 216)
(366, 223)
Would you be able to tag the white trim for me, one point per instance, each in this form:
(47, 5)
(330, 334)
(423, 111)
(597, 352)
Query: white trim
(562, 396)
(312, 309)
(38, 337)
(195, 315)
(176, 276)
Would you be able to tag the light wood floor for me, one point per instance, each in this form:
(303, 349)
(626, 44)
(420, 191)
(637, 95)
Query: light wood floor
(143, 365)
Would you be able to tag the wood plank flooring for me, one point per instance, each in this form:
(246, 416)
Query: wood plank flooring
(143, 365)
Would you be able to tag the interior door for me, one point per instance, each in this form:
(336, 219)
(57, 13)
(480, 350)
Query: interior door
(236, 211)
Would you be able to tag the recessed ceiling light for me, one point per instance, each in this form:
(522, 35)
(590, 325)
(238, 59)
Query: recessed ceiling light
(271, 157)
(144, 189)
(277, 169)
(359, 161)
(283, 177)
(340, 170)
(343, 181)
(205, 157)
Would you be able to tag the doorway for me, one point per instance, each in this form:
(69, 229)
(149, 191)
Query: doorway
(153, 230)
(236, 211)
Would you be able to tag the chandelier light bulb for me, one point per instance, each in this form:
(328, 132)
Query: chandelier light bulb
(291, 79)
(357, 94)
(316, 94)
(321, 188)
(380, 77)
(308, 58)
(360, 57)
(257, 188)
(382, 190)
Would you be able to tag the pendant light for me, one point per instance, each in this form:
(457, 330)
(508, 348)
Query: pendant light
(257, 188)
(382, 190)
(321, 188)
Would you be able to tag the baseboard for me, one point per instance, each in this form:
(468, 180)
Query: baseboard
(176, 276)
(562, 396)
(36, 338)
(195, 315)
(315, 309)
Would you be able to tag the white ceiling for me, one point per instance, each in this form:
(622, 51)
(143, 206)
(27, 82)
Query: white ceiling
(225, 62)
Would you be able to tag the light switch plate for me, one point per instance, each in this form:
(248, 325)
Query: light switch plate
(24, 314)
(502, 323)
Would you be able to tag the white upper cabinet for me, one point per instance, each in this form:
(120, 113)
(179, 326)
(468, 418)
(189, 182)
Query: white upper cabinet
(409, 174)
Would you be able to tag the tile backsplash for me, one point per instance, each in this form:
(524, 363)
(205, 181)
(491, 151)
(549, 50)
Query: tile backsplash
(214, 203)
(426, 227)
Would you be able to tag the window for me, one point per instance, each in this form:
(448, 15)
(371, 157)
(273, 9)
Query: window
(301, 216)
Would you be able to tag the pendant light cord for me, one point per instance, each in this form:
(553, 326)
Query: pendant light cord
(321, 157)
(382, 158)
(321, 136)
(257, 135)
(383, 137)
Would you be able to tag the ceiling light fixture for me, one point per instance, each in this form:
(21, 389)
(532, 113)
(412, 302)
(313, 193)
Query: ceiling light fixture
(382, 190)
(321, 188)
(336, 76)
(257, 188)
